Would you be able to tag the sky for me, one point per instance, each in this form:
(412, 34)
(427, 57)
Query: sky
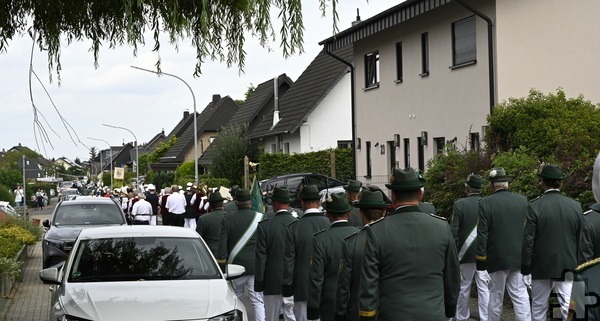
(142, 102)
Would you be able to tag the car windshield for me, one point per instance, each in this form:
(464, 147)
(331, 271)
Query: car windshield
(87, 214)
(70, 192)
(142, 259)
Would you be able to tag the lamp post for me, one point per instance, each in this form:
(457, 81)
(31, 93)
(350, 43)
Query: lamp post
(137, 162)
(111, 159)
(195, 124)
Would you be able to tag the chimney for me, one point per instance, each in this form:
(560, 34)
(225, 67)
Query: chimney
(275, 102)
(186, 113)
(216, 99)
(357, 18)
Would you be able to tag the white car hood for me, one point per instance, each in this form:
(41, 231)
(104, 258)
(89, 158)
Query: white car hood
(149, 300)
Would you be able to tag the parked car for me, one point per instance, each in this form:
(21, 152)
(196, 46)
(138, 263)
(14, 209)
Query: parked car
(142, 273)
(294, 183)
(70, 217)
(67, 193)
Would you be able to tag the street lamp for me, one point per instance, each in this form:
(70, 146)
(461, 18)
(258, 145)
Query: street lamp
(195, 124)
(111, 159)
(137, 162)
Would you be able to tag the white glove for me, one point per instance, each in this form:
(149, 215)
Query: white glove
(527, 280)
(288, 301)
(484, 276)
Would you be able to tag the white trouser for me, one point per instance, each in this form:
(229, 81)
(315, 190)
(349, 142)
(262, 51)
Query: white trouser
(300, 310)
(244, 285)
(540, 293)
(483, 294)
(189, 223)
(512, 280)
(153, 220)
(274, 305)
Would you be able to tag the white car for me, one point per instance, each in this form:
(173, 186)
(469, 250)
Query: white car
(142, 273)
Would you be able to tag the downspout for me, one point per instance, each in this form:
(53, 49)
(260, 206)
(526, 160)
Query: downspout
(490, 48)
(352, 106)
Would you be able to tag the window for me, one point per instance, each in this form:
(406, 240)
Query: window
(474, 141)
(344, 144)
(368, 160)
(399, 70)
(424, 54)
(464, 42)
(372, 69)
(440, 142)
(286, 148)
(273, 148)
(406, 152)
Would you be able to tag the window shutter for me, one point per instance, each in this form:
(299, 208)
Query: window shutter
(465, 43)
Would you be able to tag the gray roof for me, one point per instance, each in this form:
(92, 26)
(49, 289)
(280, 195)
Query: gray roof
(214, 116)
(182, 125)
(317, 80)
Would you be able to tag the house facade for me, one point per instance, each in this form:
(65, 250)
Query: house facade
(427, 73)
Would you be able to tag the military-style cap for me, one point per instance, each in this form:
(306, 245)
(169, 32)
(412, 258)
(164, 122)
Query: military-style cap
(474, 180)
(405, 180)
(337, 204)
(243, 195)
(215, 197)
(552, 172)
(281, 195)
(309, 192)
(370, 199)
(353, 186)
(498, 174)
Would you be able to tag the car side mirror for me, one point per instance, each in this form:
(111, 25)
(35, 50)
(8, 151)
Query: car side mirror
(234, 271)
(46, 223)
(49, 276)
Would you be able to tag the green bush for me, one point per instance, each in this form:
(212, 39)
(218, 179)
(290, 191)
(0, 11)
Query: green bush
(7, 195)
(162, 179)
(34, 230)
(9, 247)
(20, 234)
(317, 162)
(10, 265)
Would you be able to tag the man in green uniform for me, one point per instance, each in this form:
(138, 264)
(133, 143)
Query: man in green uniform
(326, 258)
(353, 189)
(552, 233)
(237, 245)
(232, 205)
(590, 242)
(410, 267)
(499, 241)
(585, 295)
(299, 249)
(372, 207)
(464, 229)
(270, 246)
(209, 225)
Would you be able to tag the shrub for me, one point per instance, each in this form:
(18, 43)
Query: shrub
(11, 266)
(34, 230)
(18, 233)
(6, 195)
(9, 247)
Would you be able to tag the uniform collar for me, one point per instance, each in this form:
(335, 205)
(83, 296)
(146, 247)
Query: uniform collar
(552, 190)
(405, 209)
(312, 212)
(340, 223)
(501, 190)
(474, 194)
(596, 207)
(282, 212)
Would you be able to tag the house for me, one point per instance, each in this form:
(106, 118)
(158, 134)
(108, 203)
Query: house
(208, 124)
(255, 108)
(314, 114)
(428, 72)
(35, 167)
(67, 163)
(153, 143)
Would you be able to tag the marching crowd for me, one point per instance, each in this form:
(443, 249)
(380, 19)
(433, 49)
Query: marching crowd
(356, 256)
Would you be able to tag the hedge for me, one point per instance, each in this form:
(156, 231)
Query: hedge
(277, 164)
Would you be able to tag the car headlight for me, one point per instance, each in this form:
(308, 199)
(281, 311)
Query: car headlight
(55, 243)
(66, 317)
(235, 315)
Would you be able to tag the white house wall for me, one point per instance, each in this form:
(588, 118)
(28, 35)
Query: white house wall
(330, 121)
(546, 44)
(447, 103)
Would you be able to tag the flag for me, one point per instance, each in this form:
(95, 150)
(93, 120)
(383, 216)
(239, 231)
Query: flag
(257, 201)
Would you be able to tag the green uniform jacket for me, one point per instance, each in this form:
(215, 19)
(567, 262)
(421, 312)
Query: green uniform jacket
(230, 206)
(410, 268)
(585, 294)
(233, 227)
(324, 270)
(590, 243)
(426, 207)
(464, 220)
(299, 249)
(270, 245)
(209, 227)
(500, 231)
(354, 218)
(552, 232)
(346, 300)
(292, 210)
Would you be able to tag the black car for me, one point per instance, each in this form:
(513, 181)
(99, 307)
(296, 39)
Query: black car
(294, 183)
(70, 217)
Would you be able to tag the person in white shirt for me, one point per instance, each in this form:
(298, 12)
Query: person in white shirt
(141, 211)
(19, 197)
(176, 206)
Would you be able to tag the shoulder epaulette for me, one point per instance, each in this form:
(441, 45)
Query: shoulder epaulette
(587, 212)
(376, 221)
(351, 235)
(587, 264)
(534, 199)
(438, 217)
(266, 219)
(319, 232)
(292, 223)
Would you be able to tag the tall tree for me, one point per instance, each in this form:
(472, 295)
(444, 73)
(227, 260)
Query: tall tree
(228, 151)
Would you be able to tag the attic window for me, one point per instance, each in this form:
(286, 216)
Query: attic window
(372, 69)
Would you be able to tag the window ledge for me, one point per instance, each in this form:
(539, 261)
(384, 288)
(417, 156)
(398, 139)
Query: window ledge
(398, 81)
(374, 86)
(425, 74)
(464, 64)
(367, 176)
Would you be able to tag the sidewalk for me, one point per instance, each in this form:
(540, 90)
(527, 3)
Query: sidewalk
(30, 299)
